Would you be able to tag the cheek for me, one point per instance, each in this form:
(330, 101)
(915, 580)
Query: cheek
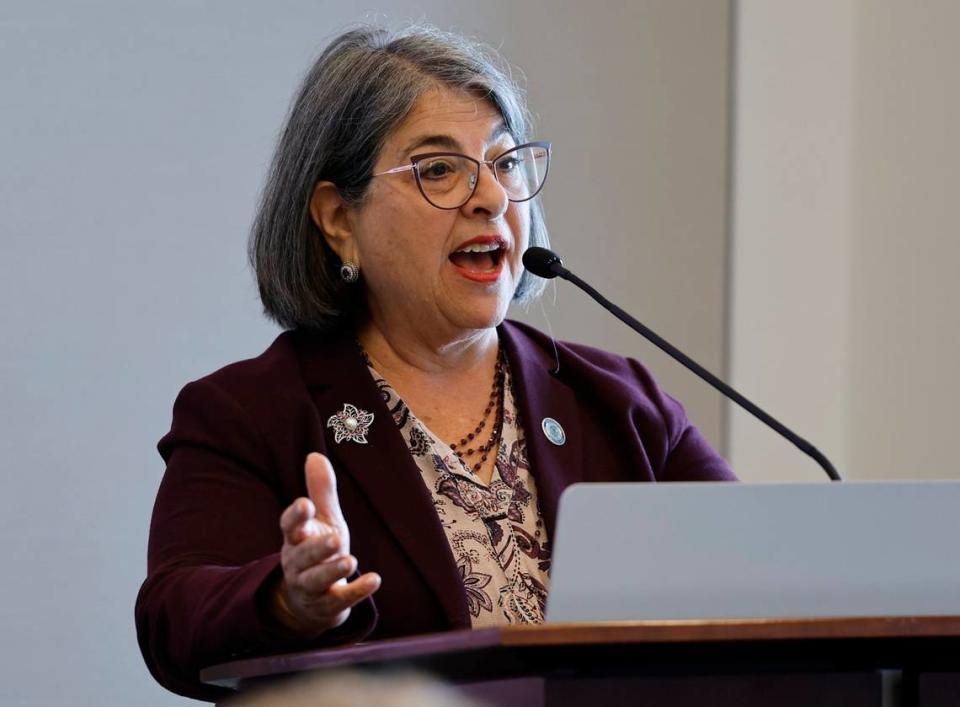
(384, 224)
(403, 233)
(519, 220)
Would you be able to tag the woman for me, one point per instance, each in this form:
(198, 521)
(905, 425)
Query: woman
(391, 465)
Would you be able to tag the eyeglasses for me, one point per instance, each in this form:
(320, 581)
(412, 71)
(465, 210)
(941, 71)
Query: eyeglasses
(448, 179)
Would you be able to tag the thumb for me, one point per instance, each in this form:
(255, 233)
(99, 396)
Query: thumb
(322, 489)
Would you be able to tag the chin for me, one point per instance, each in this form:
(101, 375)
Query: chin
(486, 310)
(487, 318)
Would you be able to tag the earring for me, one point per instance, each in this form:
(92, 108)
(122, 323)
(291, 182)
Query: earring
(349, 272)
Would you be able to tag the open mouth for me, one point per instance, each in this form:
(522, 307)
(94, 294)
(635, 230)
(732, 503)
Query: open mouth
(478, 257)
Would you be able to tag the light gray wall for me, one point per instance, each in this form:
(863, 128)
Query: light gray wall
(905, 333)
(791, 238)
(638, 202)
(844, 246)
(133, 141)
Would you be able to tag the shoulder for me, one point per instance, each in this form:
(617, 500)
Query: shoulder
(581, 364)
(250, 379)
(531, 340)
(622, 392)
(249, 401)
(281, 371)
(604, 384)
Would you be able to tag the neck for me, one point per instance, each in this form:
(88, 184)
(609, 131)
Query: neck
(405, 353)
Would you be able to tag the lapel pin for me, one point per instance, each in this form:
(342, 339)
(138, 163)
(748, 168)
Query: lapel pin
(350, 424)
(554, 431)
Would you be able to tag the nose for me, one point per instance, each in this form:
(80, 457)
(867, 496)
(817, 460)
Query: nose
(489, 198)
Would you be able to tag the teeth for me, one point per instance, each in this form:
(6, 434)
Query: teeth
(480, 248)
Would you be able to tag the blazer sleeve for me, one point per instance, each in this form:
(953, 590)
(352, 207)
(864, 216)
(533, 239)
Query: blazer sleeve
(214, 548)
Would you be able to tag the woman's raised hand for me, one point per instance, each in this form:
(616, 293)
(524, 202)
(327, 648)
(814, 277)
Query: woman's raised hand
(314, 594)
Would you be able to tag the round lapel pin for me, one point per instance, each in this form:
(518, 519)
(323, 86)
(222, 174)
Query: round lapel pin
(554, 431)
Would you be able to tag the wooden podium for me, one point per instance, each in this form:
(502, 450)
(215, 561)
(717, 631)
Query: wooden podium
(849, 662)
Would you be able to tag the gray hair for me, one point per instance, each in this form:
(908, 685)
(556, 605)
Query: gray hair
(362, 86)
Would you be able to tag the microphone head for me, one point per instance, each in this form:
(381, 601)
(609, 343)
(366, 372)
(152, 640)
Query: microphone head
(542, 262)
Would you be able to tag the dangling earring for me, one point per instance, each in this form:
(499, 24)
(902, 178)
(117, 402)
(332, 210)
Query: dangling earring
(349, 272)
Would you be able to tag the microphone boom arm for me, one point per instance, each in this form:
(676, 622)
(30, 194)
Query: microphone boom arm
(801, 444)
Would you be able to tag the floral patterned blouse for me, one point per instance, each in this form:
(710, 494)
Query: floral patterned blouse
(495, 532)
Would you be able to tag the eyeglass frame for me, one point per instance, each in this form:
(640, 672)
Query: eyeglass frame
(415, 159)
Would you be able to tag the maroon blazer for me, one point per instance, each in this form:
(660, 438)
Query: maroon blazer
(235, 456)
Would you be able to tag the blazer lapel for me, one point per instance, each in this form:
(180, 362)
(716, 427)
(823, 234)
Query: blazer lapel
(383, 467)
(541, 395)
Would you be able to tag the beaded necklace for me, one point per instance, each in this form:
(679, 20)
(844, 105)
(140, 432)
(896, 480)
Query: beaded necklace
(497, 400)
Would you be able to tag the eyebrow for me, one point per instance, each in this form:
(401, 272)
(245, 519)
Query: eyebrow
(448, 142)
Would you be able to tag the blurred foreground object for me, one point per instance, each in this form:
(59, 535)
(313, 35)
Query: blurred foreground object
(356, 689)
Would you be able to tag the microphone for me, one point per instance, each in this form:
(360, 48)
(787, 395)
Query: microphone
(543, 262)
(547, 264)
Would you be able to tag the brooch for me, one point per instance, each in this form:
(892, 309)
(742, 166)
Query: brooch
(350, 424)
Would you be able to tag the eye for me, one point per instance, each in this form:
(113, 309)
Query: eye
(508, 163)
(436, 168)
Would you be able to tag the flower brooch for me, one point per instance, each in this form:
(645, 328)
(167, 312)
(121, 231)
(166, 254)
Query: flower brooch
(350, 424)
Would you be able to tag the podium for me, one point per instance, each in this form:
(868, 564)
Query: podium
(858, 586)
(810, 662)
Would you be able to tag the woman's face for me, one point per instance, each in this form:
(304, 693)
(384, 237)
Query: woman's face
(411, 254)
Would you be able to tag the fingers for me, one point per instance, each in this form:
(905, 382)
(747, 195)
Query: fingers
(315, 554)
(322, 489)
(295, 515)
(354, 592)
(311, 551)
(321, 598)
(297, 522)
(345, 595)
(320, 578)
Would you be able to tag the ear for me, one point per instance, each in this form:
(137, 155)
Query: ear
(331, 215)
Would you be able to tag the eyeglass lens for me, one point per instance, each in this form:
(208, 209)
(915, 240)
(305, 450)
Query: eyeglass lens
(448, 180)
